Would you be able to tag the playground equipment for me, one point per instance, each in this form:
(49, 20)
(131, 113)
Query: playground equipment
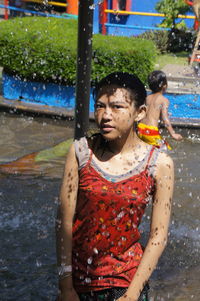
(121, 17)
(72, 7)
(68, 6)
(47, 3)
(195, 57)
(196, 8)
(124, 14)
(6, 10)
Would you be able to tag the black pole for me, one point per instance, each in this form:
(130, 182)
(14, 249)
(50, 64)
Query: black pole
(84, 57)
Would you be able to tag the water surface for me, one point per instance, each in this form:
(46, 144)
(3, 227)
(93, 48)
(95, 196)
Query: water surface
(28, 210)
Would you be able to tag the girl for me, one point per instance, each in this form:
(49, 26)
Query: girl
(108, 181)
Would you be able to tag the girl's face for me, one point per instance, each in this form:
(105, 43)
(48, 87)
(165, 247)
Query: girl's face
(115, 112)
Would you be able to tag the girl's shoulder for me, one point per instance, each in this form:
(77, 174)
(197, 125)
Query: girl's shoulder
(164, 158)
(164, 163)
(84, 146)
(81, 151)
(157, 159)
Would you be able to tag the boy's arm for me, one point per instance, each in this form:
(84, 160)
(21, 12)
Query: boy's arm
(66, 210)
(166, 120)
(160, 218)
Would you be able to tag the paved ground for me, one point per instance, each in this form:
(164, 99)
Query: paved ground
(182, 79)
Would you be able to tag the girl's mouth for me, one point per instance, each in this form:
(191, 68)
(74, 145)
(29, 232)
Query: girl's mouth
(106, 128)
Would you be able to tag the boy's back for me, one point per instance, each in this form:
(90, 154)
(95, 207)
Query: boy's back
(157, 108)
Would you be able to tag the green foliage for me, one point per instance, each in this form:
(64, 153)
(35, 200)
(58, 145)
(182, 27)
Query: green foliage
(171, 9)
(171, 41)
(180, 40)
(159, 37)
(38, 48)
(44, 49)
(113, 53)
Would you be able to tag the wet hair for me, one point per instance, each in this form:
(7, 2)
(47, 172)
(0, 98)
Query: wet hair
(156, 80)
(123, 80)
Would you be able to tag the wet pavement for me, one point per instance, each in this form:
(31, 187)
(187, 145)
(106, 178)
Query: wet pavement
(182, 79)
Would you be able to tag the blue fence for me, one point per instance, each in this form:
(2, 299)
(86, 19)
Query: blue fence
(33, 12)
(60, 96)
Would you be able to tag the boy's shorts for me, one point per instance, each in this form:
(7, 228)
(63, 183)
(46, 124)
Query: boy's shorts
(151, 135)
(111, 294)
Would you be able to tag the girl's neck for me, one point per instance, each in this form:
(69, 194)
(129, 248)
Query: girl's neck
(123, 144)
(158, 93)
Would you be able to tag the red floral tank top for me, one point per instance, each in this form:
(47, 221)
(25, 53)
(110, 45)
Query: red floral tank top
(106, 251)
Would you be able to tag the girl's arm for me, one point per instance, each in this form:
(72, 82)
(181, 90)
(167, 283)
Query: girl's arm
(166, 120)
(159, 227)
(66, 210)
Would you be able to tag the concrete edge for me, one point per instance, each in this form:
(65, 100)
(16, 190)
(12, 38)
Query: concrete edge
(17, 106)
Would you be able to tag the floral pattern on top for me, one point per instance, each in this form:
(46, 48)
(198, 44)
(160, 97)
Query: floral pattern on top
(106, 248)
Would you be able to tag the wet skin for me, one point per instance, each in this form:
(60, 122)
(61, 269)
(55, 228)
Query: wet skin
(115, 113)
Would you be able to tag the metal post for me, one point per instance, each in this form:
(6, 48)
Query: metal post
(6, 10)
(84, 57)
(103, 16)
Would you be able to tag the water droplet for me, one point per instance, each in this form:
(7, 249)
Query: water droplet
(95, 251)
(92, 6)
(87, 280)
(38, 263)
(89, 261)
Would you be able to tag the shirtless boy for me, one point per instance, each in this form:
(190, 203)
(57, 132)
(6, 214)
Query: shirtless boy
(157, 108)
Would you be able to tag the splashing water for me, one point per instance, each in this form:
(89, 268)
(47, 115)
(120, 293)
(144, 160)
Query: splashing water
(28, 213)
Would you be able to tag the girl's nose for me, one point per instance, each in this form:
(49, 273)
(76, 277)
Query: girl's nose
(107, 113)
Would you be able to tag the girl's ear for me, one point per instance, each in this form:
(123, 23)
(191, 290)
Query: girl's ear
(141, 113)
(164, 88)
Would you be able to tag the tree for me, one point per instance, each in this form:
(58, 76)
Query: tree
(171, 9)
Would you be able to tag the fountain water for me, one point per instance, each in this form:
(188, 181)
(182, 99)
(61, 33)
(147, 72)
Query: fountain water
(29, 204)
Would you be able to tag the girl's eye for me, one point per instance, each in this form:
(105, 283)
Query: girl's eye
(98, 105)
(118, 107)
